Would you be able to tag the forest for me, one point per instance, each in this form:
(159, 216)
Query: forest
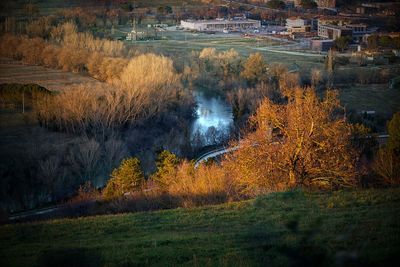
(128, 138)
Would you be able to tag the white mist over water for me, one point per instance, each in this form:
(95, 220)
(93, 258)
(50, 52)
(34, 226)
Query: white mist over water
(212, 112)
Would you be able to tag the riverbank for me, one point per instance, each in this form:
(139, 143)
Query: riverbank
(279, 229)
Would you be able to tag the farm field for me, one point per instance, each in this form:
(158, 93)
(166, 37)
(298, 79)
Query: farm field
(50, 7)
(180, 44)
(345, 228)
(55, 80)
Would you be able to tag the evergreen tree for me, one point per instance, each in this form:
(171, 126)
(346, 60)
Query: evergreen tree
(167, 163)
(127, 178)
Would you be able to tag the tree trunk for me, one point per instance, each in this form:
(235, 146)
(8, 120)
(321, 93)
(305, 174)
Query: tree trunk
(292, 179)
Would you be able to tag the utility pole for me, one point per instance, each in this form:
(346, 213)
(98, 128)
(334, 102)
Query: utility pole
(134, 28)
(23, 100)
(330, 68)
(229, 9)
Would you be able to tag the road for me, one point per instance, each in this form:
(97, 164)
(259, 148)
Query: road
(213, 154)
(36, 212)
(223, 150)
(251, 5)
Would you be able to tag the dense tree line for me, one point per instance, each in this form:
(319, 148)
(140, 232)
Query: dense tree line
(293, 138)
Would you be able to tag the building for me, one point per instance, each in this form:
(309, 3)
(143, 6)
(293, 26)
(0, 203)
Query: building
(296, 24)
(321, 45)
(320, 3)
(360, 30)
(330, 31)
(220, 24)
(326, 3)
(386, 8)
(296, 2)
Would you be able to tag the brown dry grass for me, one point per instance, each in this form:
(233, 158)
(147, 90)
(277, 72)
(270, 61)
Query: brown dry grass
(12, 71)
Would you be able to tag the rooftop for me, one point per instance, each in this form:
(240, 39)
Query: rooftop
(221, 21)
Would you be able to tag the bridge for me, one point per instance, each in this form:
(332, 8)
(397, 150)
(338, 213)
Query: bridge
(214, 153)
(382, 139)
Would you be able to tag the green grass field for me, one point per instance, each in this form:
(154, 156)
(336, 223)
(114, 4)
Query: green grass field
(353, 228)
(376, 97)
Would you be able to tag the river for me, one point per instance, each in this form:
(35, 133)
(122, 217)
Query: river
(214, 119)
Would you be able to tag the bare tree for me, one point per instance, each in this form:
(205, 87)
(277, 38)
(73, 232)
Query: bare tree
(85, 159)
(317, 77)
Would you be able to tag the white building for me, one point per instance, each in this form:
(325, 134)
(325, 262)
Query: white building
(220, 25)
(296, 24)
(320, 3)
(333, 32)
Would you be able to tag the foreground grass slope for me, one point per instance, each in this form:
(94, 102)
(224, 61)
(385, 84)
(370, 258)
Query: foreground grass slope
(281, 229)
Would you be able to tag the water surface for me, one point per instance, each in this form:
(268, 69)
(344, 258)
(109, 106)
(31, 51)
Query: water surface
(214, 115)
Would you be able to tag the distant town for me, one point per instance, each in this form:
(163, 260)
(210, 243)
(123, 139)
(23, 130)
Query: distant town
(318, 29)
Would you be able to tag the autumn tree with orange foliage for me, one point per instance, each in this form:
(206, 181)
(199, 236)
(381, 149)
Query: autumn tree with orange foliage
(387, 159)
(304, 142)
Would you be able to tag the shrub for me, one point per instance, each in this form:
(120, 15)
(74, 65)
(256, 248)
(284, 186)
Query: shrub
(207, 184)
(31, 50)
(387, 167)
(394, 134)
(86, 193)
(9, 45)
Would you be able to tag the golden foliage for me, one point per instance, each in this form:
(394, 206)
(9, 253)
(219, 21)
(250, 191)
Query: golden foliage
(149, 71)
(205, 180)
(387, 167)
(300, 143)
(254, 68)
(31, 50)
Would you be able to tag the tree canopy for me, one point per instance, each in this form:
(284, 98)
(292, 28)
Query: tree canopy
(308, 4)
(276, 4)
(254, 69)
(304, 142)
(342, 43)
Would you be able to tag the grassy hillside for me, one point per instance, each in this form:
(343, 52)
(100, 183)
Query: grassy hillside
(281, 229)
